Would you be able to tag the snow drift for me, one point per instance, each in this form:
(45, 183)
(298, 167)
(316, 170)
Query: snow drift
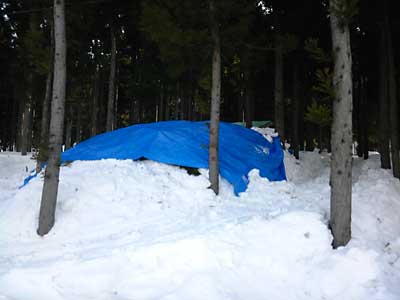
(149, 231)
(185, 143)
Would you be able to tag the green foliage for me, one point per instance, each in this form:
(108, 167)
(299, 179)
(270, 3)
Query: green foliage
(35, 51)
(179, 32)
(202, 100)
(290, 42)
(324, 84)
(344, 10)
(318, 114)
(316, 52)
(42, 155)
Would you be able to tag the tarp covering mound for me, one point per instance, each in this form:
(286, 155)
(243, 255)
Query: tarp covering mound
(185, 143)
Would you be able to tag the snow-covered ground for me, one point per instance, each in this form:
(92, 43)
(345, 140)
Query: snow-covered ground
(145, 230)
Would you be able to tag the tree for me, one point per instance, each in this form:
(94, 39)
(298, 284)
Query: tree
(51, 179)
(111, 84)
(319, 114)
(392, 93)
(44, 125)
(341, 138)
(279, 97)
(384, 121)
(213, 161)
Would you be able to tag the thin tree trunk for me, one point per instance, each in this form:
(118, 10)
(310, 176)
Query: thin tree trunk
(78, 128)
(213, 160)
(20, 99)
(296, 108)
(178, 100)
(115, 122)
(310, 137)
(384, 130)
(341, 138)
(50, 186)
(394, 112)
(111, 83)
(68, 129)
(364, 118)
(26, 118)
(249, 115)
(167, 108)
(136, 111)
(161, 106)
(279, 100)
(44, 125)
(357, 114)
(96, 93)
(13, 131)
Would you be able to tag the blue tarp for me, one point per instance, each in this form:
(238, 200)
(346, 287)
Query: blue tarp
(185, 143)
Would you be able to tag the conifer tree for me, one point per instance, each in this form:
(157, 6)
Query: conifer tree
(213, 159)
(52, 173)
(341, 12)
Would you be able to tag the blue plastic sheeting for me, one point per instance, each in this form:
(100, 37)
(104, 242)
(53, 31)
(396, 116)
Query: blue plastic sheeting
(185, 143)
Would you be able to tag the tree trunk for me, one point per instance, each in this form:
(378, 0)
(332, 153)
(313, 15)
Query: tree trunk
(364, 118)
(26, 117)
(161, 103)
(384, 130)
(341, 138)
(394, 112)
(111, 83)
(50, 186)
(167, 108)
(177, 101)
(213, 160)
(296, 112)
(78, 129)
(249, 115)
(96, 94)
(14, 121)
(68, 129)
(279, 100)
(310, 137)
(44, 125)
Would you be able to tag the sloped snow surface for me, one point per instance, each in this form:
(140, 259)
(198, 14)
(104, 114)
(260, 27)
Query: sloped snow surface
(146, 230)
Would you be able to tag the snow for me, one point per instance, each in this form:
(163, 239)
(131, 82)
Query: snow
(146, 230)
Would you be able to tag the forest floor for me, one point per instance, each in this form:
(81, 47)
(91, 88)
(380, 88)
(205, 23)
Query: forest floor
(145, 230)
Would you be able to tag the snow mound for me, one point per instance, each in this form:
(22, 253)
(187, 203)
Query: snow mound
(267, 132)
(146, 230)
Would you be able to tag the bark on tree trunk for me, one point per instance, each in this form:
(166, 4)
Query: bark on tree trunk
(279, 100)
(358, 116)
(50, 186)
(177, 101)
(341, 138)
(394, 112)
(13, 138)
(310, 137)
(111, 83)
(213, 160)
(78, 129)
(161, 103)
(68, 129)
(44, 125)
(26, 118)
(96, 93)
(167, 108)
(384, 130)
(364, 118)
(249, 115)
(296, 112)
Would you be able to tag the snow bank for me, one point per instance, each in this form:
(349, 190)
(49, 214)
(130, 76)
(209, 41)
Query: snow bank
(145, 230)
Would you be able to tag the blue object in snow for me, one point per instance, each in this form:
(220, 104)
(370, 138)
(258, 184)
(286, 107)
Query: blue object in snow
(185, 143)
